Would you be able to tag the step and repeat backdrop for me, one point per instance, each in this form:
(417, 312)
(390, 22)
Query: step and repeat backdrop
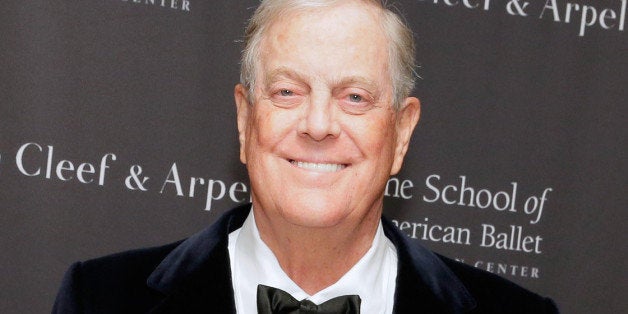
(117, 131)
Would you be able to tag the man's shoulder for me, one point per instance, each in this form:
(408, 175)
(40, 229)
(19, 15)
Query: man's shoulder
(137, 280)
(114, 283)
(142, 262)
(456, 287)
(493, 293)
(123, 271)
(136, 262)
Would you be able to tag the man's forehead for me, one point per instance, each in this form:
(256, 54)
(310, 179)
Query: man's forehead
(322, 36)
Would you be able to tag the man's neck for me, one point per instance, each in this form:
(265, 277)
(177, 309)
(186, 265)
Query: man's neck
(316, 258)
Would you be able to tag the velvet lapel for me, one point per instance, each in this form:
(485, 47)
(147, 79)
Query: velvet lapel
(196, 277)
(424, 283)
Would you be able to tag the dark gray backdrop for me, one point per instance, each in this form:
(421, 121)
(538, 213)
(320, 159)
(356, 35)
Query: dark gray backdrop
(514, 101)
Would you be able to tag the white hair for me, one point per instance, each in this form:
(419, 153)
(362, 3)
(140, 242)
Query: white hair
(400, 41)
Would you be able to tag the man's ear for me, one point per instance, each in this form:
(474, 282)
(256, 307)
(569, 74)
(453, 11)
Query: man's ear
(242, 105)
(407, 118)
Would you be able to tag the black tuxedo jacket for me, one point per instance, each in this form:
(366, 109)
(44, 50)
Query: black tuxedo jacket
(194, 276)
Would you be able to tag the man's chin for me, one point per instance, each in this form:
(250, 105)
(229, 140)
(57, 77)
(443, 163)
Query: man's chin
(316, 216)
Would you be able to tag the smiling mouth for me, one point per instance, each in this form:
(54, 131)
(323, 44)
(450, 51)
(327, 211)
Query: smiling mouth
(320, 167)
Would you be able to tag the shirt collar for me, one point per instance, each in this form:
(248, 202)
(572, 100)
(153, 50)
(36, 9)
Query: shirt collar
(424, 276)
(253, 263)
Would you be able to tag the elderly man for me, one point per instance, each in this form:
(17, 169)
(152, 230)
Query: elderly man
(324, 118)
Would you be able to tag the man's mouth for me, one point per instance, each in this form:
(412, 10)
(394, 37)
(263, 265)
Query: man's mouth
(320, 167)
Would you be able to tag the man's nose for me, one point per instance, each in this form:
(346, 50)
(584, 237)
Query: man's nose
(318, 121)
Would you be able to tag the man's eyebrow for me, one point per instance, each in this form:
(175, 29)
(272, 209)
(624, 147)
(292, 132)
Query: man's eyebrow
(360, 81)
(283, 72)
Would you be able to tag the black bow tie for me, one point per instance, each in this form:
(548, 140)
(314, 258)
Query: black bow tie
(276, 301)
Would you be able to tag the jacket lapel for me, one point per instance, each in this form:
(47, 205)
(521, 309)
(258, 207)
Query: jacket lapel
(424, 283)
(196, 276)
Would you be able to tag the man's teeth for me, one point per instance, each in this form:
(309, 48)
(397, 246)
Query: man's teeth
(318, 167)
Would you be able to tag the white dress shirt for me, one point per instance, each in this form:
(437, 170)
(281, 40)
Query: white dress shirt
(252, 263)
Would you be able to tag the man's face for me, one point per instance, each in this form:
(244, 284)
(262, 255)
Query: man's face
(321, 137)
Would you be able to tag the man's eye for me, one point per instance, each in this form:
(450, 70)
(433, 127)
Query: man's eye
(355, 98)
(286, 92)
